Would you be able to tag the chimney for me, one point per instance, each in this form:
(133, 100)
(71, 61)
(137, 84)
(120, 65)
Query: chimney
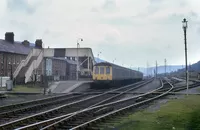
(38, 43)
(9, 36)
(26, 43)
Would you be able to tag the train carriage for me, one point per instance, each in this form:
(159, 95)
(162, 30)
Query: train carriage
(110, 75)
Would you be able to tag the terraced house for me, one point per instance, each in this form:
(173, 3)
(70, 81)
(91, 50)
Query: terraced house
(13, 53)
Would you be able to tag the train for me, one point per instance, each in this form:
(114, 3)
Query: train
(107, 74)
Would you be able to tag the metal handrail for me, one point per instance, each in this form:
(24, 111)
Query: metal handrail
(33, 66)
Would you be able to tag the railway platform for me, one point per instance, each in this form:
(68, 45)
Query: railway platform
(68, 86)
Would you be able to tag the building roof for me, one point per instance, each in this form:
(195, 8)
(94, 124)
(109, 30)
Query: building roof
(63, 59)
(111, 64)
(70, 52)
(16, 47)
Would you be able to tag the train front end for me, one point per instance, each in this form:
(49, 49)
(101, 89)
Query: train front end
(102, 73)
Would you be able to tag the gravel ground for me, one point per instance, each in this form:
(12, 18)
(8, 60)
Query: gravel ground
(192, 90)
(82, 88)
(182, 84)
(13, 99)
(146, 88)
(156, 104)
(149, 87)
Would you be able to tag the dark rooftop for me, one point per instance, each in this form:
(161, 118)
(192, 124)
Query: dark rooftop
(63, 59)
(15, 47)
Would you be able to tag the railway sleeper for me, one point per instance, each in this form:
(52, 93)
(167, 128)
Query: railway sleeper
(103, 111)
(65, 127)
(40, 118)
(36, 103)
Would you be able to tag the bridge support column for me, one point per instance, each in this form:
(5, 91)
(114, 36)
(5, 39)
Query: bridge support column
(88, 63)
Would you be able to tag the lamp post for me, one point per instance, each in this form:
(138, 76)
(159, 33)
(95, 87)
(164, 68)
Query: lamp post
(185, 26)
(11, 71)
(77, 66)
(114, 60)
(98, 56)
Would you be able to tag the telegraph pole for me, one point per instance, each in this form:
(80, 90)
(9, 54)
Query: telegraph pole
(77, 62)
(185, 26)
(147, 69)
(165, 67)
(156, 69)
(189, 71)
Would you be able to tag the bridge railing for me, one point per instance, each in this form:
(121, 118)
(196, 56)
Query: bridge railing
(33, 52)
(34, 65)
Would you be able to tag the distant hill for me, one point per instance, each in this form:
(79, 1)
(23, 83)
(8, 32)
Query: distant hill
(98, 60)
(193, 67)
(161, 69)
(177, 68)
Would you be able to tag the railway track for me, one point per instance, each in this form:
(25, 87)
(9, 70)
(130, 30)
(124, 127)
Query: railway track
(29, 103)
(183, 87)
(36, 107)
(85, 118)
(100, 108)
(196, 84)
(65, 109)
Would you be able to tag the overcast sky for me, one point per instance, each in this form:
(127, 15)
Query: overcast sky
(132, 31)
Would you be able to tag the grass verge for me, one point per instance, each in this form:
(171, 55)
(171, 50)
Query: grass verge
(28, 89)
(177, 114)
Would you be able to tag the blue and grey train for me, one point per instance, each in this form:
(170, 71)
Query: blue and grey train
(110, 75)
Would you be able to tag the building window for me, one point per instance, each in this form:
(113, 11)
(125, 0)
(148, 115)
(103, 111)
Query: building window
(107, 70)
(101, 70)
(96, 70)
(9, 60)
(1, 58)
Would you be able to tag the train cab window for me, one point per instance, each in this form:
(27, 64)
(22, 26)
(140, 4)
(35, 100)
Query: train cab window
(107, 70)
(96, 70)
(101, 70)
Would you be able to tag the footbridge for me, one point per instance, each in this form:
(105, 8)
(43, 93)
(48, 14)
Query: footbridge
(37, 62)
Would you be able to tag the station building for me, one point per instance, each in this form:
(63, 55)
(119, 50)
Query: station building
(27, 62)
(12, 53)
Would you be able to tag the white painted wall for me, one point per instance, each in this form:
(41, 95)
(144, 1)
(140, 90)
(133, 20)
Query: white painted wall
(3, 81)
(71, 52)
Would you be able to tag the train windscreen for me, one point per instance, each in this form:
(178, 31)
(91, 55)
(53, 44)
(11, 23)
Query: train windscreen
(101, 70)
(96, 70)
(107, 70)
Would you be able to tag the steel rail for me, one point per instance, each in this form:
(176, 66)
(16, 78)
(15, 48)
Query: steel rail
(120, 94)
(31, 102)
(63, 117)
(40, 107)
(23, 104)
(42, 114)
(86, 124)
